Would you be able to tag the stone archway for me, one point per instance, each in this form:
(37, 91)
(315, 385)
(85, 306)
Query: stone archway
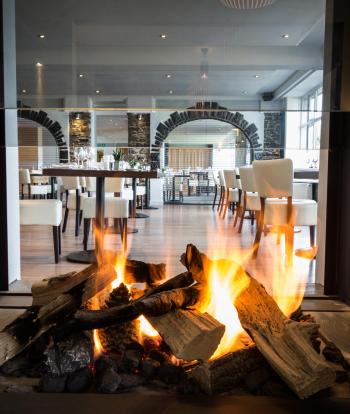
(203, 110)
(41, 118)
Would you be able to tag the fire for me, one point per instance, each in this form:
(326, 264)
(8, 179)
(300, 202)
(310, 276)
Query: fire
(98, 348)
(146, 328)
(224, 285)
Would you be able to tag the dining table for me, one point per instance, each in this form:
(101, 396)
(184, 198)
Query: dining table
(91, 256)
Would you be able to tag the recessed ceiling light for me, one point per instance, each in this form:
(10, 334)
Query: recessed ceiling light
(81, 75)
(39, 65)
(257, 76)
(163, 35)
(41, 36)
(171, 92)
(168, 76)
(285, 35)
(24, 91)
(245, 92)
(98, 91)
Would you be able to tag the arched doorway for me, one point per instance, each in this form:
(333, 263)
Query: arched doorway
(54, 128)
(204, 110)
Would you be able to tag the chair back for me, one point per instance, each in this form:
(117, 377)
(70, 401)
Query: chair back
(230, 179)
(221, 178)
(91, 184)
(71, 183)
(24, 176)
(274, 178)
(114, 184)
(248, 179)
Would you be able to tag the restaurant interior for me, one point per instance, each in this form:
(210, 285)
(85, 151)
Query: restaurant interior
(131, 130)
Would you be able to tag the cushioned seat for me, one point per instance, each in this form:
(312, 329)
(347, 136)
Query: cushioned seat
(115, 207)
(43, 213)
(233, 195)
(304, 212)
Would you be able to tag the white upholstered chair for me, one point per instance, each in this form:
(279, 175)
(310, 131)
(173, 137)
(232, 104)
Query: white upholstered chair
(274, 183)
(74, 201)
(250, 199)
(29, 189)
(44, 213)
(116, 207)
(231, 193)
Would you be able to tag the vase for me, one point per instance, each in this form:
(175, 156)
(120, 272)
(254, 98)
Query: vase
(117, 165)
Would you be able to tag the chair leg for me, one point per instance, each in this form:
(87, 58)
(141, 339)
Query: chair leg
(220, 199)
(87, 224)
(241, 220)
(216, 194)
(259, 227)
(80, 217)
(312, 236)
(59, 240)
(65, 220)
(125, 234)
(55, 231)
(226, 203)
(289, 245)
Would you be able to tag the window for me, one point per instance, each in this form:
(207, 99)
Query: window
(311, 112)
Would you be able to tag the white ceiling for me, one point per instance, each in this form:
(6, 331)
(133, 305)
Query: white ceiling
(116, 45)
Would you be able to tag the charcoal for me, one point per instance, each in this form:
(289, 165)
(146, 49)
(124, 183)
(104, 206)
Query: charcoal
(107, 381)
(19, 388)
(333, 354)
(79, 381)
(341, 376)
(190, 387)
(171, 374)
(105, 362)
(316, 344)
(130, 381)
(159, 356)
(136, 346)
(53, 383)
(149, 368)
(255, 379)
(16, 366)
(131, 361)
(70, 355)
(275, 389)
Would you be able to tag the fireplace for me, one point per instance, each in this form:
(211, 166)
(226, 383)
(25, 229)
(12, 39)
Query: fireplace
(127, 326)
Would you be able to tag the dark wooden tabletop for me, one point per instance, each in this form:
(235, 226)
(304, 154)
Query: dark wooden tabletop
(81, 172)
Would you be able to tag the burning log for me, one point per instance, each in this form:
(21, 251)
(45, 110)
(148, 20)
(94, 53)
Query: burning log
(227, 371)
(285, 344)
(188, 333)
(154, 305)
(36, 321)
(135, 272)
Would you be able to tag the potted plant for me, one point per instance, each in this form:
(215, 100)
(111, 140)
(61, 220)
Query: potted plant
(118, 156)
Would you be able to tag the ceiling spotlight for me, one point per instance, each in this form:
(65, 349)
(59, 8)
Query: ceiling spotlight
(168, 76)
(163, 35)
(171, 92)
(81, 75)
(39, 65)
(97, 91)
(24, 91)
(257, 76)
(245, 92)
(140, 117)
(41, 36)
(285, 35)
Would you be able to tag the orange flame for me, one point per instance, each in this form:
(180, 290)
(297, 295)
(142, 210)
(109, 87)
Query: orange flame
(225, 283)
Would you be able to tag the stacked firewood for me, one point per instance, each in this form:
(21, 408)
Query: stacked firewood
(280, 348)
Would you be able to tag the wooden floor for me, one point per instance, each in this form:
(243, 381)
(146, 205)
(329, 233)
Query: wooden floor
(162, 238)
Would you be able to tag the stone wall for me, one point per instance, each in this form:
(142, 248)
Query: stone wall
(79, 131)
(139, 130)
(273, 136)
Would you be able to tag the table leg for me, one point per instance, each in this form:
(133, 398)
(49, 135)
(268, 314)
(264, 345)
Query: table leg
(134, 213)
(100, 216)
(148, 196)
(91, 256)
